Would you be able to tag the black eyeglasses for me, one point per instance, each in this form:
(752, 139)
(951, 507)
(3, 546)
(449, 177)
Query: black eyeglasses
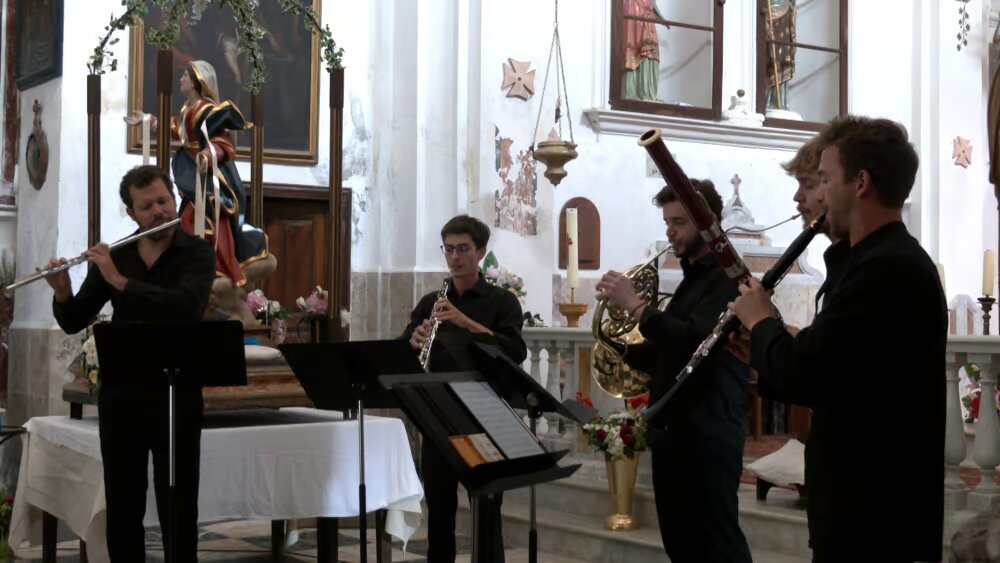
(453, 248)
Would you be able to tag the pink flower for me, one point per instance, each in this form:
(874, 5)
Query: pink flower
(492, 272)
(316, 303)
(256, 301)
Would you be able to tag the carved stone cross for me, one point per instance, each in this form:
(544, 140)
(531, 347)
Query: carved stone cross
(736, 184)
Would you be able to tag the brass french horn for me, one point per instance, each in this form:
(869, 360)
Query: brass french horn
(614, 333)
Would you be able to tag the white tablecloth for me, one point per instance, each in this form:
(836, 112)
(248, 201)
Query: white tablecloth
(300, 463)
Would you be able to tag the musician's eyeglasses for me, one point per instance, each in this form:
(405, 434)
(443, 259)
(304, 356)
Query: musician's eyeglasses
(453, 248)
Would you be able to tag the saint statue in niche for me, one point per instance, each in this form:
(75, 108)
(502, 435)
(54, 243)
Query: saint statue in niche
(640, 78)
(780, 57)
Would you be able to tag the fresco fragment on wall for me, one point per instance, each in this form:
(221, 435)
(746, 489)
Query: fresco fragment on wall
(516, 203)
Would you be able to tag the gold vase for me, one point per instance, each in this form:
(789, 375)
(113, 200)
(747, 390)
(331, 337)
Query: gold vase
(621, 485)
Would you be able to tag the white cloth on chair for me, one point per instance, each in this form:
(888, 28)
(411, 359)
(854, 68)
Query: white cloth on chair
(785, 467)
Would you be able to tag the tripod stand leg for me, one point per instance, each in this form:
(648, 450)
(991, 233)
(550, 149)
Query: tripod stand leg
(532, 527)
(170, 545)
(362, 494)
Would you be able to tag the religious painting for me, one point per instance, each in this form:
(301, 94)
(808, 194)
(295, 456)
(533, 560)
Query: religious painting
(515, 203)
(38, 26)
(291, 65)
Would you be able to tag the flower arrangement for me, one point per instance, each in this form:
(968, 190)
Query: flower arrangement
(971, 398)
(265, 309)
(620, 434)
(314, 306)
(502, 277)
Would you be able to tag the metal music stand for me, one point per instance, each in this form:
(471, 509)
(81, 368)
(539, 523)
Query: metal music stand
(434, 403)
(521, 391)
(343, 376)
(194, 353)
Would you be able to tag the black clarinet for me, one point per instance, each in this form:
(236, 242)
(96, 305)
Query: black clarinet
(728, 322)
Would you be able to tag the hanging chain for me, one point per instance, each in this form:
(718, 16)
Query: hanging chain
(554, 48)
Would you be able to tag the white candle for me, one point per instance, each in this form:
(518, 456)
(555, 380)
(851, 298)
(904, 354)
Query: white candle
(572, 250)
(145, 138)
(944, 288)
(988, 276)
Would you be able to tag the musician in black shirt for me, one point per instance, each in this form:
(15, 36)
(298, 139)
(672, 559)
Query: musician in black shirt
(886, 314)
(166, 276)
(697, 442)
(492, 315)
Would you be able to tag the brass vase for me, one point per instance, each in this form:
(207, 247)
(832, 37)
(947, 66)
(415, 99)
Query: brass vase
(621, 485)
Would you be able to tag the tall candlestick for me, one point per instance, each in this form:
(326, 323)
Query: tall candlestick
(572, 250)
(988, 273)
(944, 288)
(145, 138)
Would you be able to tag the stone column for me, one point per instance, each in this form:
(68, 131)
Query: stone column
(955, 491)
(986, 451)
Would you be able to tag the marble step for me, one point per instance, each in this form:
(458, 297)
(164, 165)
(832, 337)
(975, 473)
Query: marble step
(582, 536)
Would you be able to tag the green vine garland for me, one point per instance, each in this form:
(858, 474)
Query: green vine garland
(248, 32)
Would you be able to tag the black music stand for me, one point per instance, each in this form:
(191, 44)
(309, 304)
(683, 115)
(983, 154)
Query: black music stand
(213, 355)
(343, 376)
(448, 405)
(521, 391)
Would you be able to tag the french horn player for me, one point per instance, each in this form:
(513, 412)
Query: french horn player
(697, 445)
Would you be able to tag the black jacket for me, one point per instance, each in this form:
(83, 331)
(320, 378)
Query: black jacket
(713, 398)
(871, 366)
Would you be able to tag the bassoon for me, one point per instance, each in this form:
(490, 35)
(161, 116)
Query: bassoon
(722, 248)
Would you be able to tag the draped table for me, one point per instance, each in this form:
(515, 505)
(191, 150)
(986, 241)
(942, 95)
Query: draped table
(255, 465)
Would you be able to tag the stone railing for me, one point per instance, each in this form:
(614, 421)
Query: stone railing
(984, 351)
(556, 359)
(558, 351)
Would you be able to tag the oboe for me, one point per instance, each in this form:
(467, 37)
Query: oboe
(728, 321)
(425, 348)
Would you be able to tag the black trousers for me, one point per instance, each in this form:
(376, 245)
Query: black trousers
(695, 483)
(441, 496)
(131, 426)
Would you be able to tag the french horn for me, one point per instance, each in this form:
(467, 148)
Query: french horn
(613, 334)
(618, 330)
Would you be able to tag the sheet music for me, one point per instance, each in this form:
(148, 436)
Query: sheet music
(496, 418)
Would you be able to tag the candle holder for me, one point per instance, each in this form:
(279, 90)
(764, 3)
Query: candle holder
(572, 310)
(987, 303)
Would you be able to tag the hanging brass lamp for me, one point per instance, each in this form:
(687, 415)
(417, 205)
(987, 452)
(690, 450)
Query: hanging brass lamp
(555, 152)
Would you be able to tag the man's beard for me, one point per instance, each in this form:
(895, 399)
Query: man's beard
(692, 247)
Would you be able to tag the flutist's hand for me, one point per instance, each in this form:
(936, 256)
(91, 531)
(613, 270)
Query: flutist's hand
(420, 335)
(753, 305)
(59, 280)
(618, 289)
(100, 256)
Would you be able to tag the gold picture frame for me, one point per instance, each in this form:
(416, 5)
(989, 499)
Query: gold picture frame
(288, 139)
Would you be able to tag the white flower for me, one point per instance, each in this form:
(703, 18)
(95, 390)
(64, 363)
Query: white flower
(90, 347)
(273, 307)
(301, 303)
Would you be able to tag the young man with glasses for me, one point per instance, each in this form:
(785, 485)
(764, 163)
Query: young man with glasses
(492, 315)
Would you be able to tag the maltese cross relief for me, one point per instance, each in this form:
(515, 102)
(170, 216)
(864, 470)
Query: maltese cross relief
(962, 152)
(519, 79)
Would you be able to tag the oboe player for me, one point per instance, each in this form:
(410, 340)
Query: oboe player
(884, 315)
(492, 313)
(697, 443)
(166, 276)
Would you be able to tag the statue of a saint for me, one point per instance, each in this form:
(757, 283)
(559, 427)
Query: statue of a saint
(237, 243)
(640, 78)
(780, 57)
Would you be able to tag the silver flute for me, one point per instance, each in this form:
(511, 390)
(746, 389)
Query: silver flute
(82, 257)
(425, 348)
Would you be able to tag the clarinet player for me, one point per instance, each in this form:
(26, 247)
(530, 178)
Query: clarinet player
(491, 314)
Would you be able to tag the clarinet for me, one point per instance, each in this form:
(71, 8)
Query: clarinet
(728, 322)
(425, 348)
